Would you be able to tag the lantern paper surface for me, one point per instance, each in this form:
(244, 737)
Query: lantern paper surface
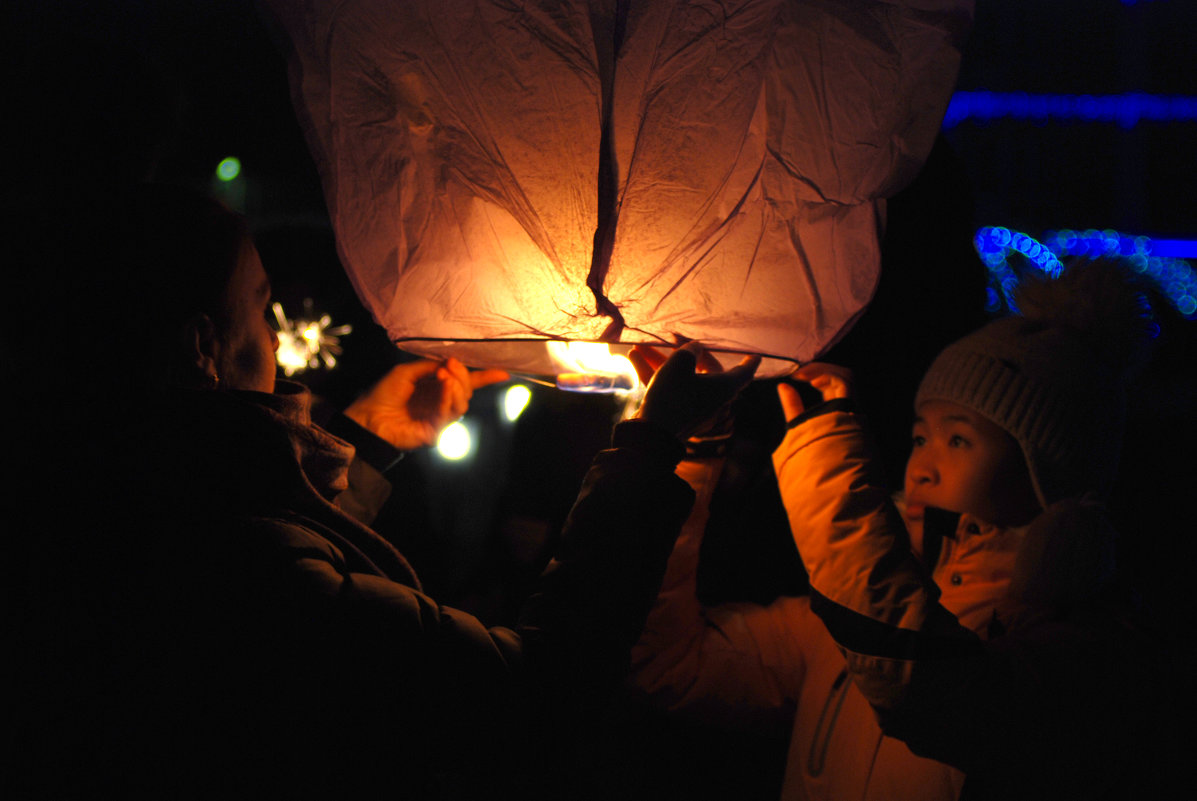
(501, 173)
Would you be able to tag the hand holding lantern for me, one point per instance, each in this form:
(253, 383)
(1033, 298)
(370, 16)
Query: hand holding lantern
(830, 380)
(414, 401)
(689, 389)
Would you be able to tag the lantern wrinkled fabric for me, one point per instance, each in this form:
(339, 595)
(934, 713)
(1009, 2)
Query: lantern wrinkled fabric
(499, 173)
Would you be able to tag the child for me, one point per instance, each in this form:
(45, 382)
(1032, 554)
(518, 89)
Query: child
(976, 644)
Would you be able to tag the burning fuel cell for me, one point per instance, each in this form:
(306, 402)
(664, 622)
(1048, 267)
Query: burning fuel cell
(591, 367)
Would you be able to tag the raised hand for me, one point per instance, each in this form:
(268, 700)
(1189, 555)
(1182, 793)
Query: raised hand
(689, 389)
(412, 403)
(832, 381)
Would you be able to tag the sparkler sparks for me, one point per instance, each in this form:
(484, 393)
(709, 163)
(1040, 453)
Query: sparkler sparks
(307, 344)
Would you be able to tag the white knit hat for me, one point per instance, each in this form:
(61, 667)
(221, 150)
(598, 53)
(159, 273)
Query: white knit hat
(1054, 378)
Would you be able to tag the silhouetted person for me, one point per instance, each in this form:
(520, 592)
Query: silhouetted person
(205, 611)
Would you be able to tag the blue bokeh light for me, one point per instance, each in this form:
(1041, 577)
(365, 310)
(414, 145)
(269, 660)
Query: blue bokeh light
(1127, 110)
(1174, 276)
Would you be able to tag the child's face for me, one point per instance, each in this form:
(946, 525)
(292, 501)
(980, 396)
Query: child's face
(963, 462)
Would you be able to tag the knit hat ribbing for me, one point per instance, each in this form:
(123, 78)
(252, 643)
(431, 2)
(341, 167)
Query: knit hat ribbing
(1058, 386)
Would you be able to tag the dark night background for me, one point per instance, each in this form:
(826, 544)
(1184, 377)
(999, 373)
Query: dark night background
(227, 90)
(121, 90)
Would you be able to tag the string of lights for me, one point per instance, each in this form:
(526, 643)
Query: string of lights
(1174, 276)
(1127, 110)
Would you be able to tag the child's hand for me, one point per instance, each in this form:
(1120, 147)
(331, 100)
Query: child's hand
(832, 381)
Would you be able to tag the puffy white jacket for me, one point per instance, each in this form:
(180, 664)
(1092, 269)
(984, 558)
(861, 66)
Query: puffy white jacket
(744, 664)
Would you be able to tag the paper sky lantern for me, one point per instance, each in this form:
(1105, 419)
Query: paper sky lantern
(499, 174)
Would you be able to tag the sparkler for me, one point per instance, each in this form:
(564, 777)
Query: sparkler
(307, 344)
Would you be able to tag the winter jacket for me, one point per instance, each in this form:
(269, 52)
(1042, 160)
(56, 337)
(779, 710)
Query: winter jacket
(813, 662)
(205, 620)
(745, 665)
(1044, 684)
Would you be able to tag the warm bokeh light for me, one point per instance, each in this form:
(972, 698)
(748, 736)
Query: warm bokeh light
(455, 442)
(515, 400)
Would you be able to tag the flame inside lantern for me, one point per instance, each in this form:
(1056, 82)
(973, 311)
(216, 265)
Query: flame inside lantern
(591, 367)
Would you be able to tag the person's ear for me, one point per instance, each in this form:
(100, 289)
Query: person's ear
(202, 348)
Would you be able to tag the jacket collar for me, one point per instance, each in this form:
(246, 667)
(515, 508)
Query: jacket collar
(937, 525)
(323, 457)
(220, 455)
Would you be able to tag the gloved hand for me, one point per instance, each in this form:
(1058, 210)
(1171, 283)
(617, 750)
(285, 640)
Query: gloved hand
(689, 390)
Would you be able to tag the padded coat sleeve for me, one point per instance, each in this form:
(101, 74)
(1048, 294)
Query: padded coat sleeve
(412, 680)
(735, 664)
(1016, 712)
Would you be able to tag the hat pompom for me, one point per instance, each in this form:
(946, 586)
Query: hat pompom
(1102, 301)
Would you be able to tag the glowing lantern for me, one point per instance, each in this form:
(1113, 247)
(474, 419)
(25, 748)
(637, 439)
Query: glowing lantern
(503, 174)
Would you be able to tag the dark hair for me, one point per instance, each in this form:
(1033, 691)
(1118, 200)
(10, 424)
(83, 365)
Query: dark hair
(173, 260)
(109, 282)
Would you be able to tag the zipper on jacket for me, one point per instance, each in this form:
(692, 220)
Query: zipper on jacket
(816, 760)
